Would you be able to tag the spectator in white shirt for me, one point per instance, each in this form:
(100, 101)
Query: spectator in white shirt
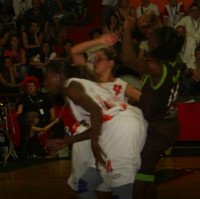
(145, 6)
(45, 55)
(192, 22)
(173, 12)
(187, 53)
(187, 56)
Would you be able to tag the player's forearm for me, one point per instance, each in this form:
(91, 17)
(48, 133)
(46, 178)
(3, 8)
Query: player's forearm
(82, 47)
(79, 137)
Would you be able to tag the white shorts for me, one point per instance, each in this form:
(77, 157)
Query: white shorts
(81, 159)
(122, 140)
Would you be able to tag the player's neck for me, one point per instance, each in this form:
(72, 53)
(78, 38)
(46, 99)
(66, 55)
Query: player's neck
(106, 78)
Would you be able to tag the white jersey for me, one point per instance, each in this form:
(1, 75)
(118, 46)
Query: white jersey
(109, 96)
(122, 138)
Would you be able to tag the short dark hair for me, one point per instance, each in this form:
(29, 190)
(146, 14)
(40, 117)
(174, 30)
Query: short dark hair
(68, 69)
(170, 44)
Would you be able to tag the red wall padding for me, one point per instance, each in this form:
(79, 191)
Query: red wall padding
(189, 120)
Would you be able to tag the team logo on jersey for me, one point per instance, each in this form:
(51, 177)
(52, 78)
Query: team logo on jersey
(106, 117)
(117, 89)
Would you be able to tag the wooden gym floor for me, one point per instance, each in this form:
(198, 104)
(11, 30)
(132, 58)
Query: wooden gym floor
(178, 177)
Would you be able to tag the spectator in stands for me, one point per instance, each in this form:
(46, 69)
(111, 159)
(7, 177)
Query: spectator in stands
(108, 8)
(40, 60)
(173, 12)
(4, 37)
(36, 13)
(188, 51)
(20, 7)
(45, 55)
(80, 12)
(18, 56)
(55, 28)
(67, 11)
(32, 39)
(33, 100)
(53, 8)
(114, 27)
(124, 10)
(67, 44)
(187, 56)
(76, 12)
(195, 83)
(192, 22)
(33, 146)
(145, 6)
(56, 31)
(8, 77)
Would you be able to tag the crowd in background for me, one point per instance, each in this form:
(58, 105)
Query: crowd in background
(30, 30)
